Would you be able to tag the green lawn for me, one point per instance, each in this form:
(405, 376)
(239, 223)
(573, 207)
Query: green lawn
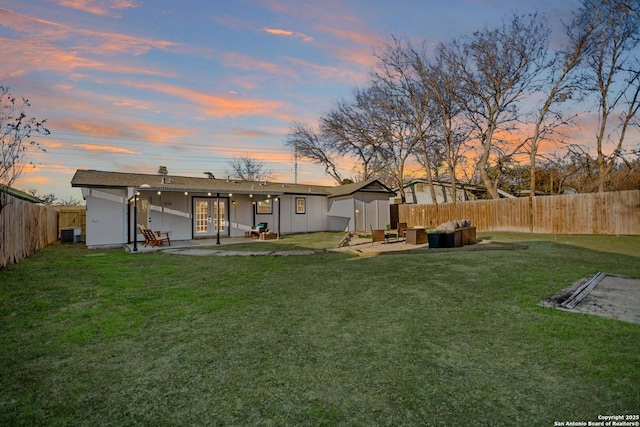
(104, 337)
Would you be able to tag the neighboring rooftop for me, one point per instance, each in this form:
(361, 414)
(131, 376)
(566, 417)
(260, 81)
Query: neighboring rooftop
(20, 194)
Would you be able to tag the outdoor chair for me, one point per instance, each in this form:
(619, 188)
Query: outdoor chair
(155, 238)
(260, 228)
(141, 231)
(377, 235)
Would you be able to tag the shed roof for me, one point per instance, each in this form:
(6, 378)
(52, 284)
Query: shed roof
(370, 186)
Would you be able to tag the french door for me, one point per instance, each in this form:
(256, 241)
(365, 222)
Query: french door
(209, 216)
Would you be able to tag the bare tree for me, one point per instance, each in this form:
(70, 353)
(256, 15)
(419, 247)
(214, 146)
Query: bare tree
(16, 136)
(561, 86)
(500, 67)
(401, 92)
(393, 136)
(347, 131)
(249, 169)
(67, 201)
(443, 81)
(47, 199)
(307, 143)
(613, 73)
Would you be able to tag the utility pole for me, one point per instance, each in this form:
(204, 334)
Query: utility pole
(295, 163)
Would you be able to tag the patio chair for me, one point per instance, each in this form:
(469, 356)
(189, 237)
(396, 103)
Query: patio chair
(260, 228)
(402, 226)
(141, 231)
(155, 238)
(377, 235)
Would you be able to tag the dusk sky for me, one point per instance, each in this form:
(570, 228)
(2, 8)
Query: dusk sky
(128, 85)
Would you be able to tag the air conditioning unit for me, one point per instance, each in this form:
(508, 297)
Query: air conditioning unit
(71, 235)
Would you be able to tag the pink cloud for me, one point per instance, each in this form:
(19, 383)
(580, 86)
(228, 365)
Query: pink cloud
(350, 35)
(107, 148)
(245, 62)
(98, 7)
(28, 24)
(86, 41)
(253, 133)
(287, 33)
(329, 72)
(221, 105)
(120, 129)
(28, 179)
(22, 57)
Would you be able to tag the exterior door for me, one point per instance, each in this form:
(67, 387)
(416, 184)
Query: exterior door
(208, 217)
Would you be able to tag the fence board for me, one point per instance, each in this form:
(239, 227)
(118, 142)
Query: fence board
(593, 213)
(25, 228)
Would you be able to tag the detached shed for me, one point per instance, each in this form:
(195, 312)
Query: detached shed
(360, 206)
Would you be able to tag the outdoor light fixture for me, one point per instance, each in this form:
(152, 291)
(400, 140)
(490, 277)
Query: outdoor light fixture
(251, 195)
(186, 193)
(230, 194)
(208, 194)
(159, 193)
(268, 196)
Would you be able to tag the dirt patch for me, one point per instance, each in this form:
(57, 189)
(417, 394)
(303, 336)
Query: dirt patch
(615, 297)
(362, 246)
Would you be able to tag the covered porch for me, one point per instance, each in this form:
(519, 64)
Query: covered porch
(197, 215)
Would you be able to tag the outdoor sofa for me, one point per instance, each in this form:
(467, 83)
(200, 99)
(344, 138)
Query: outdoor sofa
(457, 233)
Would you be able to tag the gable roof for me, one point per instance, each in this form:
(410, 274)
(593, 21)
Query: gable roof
(370, 186)
(20, 194)
(102, 179)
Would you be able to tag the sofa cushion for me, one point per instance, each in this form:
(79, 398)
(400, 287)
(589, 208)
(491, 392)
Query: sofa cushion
(448, 226)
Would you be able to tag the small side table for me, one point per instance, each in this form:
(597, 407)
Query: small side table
(416, 236)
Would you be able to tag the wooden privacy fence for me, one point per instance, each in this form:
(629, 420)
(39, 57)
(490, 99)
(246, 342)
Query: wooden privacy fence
(25, 228)
(592, 213)
(72, 217)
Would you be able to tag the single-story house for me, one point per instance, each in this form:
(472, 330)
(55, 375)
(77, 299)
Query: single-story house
(417, 192)
(193, 208)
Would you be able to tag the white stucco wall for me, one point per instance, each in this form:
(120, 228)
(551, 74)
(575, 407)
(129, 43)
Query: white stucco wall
(106, 217)
(170, 212)
(314, 217)
(341, 214)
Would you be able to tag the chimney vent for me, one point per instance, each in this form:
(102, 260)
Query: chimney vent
(162, 170)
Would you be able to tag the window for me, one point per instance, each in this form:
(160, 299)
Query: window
(264, 207)
(202, 216)
(301, 205)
